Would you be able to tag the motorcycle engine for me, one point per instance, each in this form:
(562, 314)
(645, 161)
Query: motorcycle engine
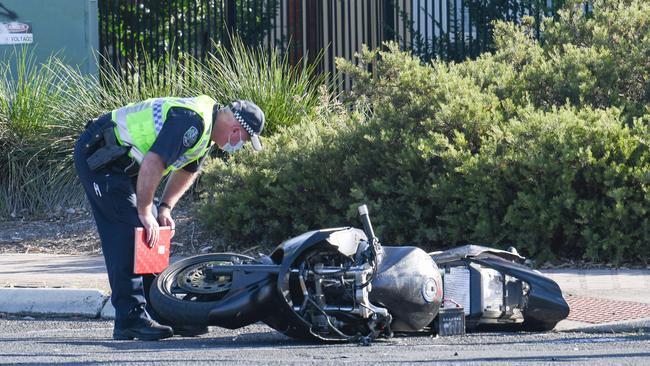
(330, 291)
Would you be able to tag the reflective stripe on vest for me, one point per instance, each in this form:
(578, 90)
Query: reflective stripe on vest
(138, 125)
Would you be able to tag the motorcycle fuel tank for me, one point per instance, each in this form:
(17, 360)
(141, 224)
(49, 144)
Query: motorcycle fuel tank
(409, 285)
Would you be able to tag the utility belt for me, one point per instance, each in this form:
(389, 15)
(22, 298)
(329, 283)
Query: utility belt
(103, 151)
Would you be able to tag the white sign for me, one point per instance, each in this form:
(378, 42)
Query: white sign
(16, 33)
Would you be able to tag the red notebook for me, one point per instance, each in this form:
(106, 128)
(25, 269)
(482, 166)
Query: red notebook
(151, 260)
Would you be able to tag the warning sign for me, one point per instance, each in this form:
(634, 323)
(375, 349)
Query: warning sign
(16, 33)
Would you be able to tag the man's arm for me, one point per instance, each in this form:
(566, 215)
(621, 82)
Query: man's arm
(177, 184)
(180, 132)
(149, 176)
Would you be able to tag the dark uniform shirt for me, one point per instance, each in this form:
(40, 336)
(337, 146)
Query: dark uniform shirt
(182, 130)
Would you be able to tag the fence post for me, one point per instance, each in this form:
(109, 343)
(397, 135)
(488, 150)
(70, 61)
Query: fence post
(230, 7)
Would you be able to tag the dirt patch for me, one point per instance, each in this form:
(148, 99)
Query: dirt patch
(75, 233)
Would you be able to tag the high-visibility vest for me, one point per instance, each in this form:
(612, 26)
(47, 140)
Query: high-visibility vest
(138, 125)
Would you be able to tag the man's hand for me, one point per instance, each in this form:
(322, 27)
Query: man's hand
(165, 219)
(151, 170)
(151, 227)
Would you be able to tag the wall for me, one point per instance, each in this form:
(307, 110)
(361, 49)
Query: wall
(66, 28)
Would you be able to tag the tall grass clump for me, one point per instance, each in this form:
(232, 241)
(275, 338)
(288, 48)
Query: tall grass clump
(115, 87)
(286, 93)
(32, 154)
(43, 109)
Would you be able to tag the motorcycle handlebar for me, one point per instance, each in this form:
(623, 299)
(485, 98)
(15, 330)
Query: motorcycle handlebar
(365, 220)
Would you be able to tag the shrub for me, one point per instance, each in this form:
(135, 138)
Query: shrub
(612, 44)
(562, 183)
(442, 160)
(314, 175)
(599, 60)
(254, 199)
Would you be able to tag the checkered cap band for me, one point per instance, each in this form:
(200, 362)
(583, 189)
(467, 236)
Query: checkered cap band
(244, 124)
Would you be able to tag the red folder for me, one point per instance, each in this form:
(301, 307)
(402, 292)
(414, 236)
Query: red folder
(151, 260)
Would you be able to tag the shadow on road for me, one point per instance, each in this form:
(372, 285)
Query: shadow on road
(248, 340)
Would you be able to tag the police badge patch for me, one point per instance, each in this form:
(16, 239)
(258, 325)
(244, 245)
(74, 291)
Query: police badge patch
(190, 137)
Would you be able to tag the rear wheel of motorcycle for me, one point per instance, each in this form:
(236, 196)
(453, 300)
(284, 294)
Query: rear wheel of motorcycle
(182, 294)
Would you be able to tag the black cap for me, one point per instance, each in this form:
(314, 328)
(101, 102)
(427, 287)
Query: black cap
(251, 117)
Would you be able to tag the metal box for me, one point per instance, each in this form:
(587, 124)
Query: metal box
(65, 28)
(450, 321)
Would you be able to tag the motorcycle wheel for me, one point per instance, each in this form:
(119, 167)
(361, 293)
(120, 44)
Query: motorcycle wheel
(183, 294)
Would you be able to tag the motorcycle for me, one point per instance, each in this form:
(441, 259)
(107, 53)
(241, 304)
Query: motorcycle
(341, 284)
(336, 284)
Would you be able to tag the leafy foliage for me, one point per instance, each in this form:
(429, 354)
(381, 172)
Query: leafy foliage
(528, 146)
(598, 60)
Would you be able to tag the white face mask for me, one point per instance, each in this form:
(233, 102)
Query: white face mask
(229, 148)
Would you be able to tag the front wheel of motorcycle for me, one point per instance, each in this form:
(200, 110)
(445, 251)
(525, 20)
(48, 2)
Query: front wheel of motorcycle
(184, 293)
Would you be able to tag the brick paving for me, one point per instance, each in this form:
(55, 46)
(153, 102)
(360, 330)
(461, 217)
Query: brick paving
(597, 311)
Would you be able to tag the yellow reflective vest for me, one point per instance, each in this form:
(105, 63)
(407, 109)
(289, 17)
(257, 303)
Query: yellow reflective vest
(138, 125)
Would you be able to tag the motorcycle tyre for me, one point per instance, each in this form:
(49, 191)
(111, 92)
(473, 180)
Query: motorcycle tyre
(185, 312)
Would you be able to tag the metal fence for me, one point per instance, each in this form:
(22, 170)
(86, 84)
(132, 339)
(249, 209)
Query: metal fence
(448, 29)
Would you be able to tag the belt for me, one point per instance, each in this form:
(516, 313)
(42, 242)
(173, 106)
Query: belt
(126, 164)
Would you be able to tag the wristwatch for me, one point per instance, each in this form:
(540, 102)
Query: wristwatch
(165, 204)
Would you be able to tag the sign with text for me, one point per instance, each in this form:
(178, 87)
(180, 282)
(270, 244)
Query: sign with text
(16, 33)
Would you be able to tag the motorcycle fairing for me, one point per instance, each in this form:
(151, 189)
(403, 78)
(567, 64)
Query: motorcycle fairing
(545, 306)
(542, 305)
(345, 239)
(471, 250)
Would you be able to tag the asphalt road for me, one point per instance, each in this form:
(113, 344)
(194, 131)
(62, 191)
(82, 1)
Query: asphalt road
(72, 342)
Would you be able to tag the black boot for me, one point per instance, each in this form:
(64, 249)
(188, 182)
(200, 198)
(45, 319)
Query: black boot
(143, 329)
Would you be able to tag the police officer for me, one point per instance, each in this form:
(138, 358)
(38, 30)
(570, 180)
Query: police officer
(121, 159)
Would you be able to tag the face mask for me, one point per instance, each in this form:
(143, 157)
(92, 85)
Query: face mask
(229, 148)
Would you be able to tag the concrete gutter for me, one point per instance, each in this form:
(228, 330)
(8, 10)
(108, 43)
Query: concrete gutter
(52, 301)
(627, 326)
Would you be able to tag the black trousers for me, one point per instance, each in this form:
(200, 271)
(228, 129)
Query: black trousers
(111, 194)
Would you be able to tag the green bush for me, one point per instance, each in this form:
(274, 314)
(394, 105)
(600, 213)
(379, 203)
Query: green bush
(562, 183)
(314, 175)
(449, 154)
(253, 198)
(600, 60)
(615, 43)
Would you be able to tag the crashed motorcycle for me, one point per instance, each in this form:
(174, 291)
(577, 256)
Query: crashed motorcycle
(335, 284)
(341, 284)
